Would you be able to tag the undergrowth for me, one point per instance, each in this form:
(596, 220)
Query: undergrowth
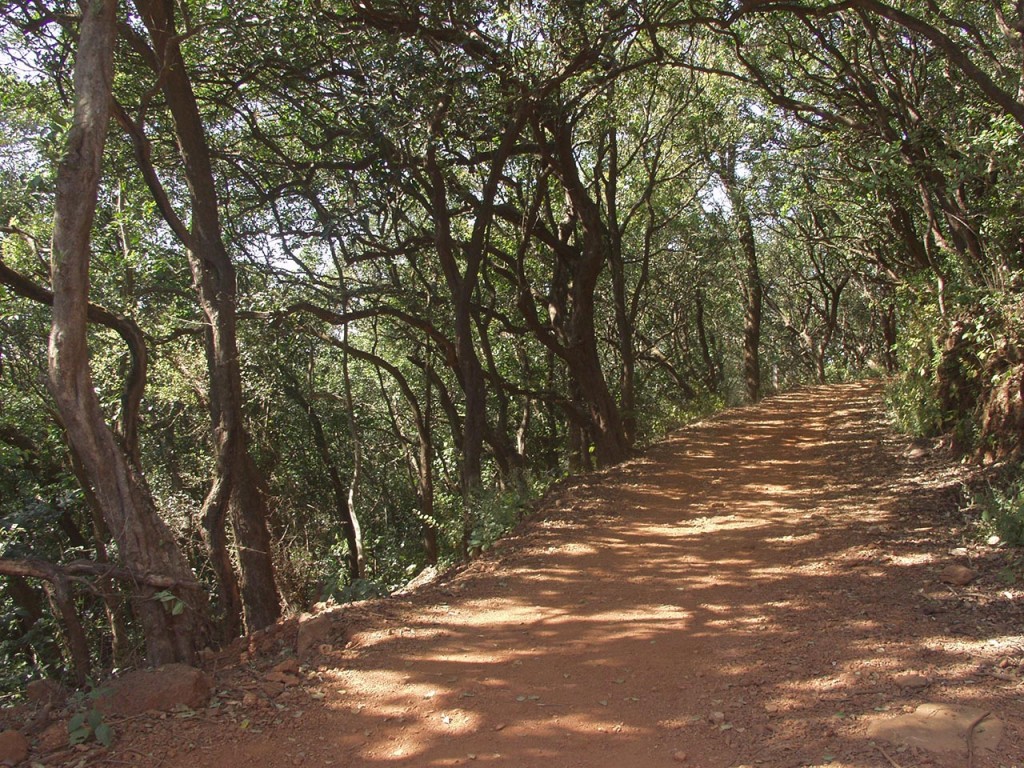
(999, 506)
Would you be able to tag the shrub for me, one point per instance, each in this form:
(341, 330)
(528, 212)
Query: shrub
(1001, 508)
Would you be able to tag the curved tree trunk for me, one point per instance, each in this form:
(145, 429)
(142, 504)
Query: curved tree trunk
(145, 544)
(239, 485)
(580, 352)
(356, 540)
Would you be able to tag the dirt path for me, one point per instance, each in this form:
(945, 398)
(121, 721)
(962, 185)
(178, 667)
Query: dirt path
(752, 592)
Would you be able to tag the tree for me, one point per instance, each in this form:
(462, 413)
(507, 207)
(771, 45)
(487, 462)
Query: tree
(238, 491)
(143, 540)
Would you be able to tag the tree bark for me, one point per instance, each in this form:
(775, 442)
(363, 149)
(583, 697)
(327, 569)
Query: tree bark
(323, 447)
(120, 644)
(623, 321)
(239, 486)
(144, 542)
(130, 333)
(753, 294)
(352, 516)
(753, 287)
(579, 350)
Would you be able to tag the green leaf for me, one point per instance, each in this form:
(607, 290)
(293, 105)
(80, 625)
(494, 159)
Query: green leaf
(94, 718)
(178, 609)
(79, 735)
(104, 734)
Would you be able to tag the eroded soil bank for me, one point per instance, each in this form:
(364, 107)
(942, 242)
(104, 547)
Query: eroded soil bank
(761, 589)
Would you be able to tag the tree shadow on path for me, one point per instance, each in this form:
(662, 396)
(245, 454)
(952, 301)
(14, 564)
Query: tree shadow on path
(747, 593)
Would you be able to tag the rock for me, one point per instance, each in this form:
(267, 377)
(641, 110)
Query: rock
(53, 738)
(717, 717)
(272, 689)
(13, 748)
(286, 673)
(43, 692)
(957, 575)
(161, 689)
(288, 667)
(427, 576)
(912, 680)
(939, 728)
(316, 630)
(680, 757)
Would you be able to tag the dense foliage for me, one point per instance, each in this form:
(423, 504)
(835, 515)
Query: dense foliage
(366, 277)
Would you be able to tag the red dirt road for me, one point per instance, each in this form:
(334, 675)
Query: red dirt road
(753, 591)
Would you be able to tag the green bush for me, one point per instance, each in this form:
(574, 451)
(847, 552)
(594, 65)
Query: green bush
(913, 406)
(496, 513)
(1001, 508)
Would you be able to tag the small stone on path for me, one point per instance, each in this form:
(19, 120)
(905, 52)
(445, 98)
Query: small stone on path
(957, 575)
(912, 680)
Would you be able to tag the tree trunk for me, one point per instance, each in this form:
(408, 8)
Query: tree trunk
(239, 485)
(352, 516)
(323, 447)
(29, 611)
(753, 299)
(753, 287)
(120, 644)
(623, 321)
(425, 494)
(712, 367)
(144, 542)
(889, 338)
(215, 537)
(611, 444)
(59, 592)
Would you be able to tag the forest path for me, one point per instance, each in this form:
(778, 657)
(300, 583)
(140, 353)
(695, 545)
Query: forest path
(752, 591)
